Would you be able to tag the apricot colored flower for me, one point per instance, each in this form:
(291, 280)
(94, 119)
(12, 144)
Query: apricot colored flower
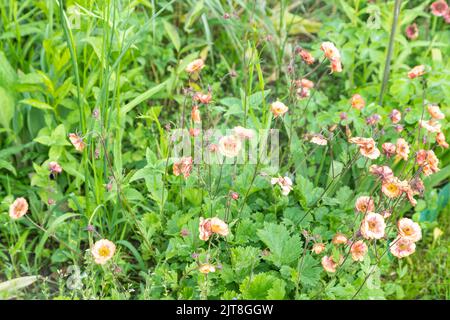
(18, 208)
(54, 167)
(306, 56)
(367, 147)
(230, 146)
(183, 166)
(395, 116)
(284, 183)
(417, 186)
(329, 264)
(195, 66)
(408, 229)
(195, 114)
(243, 133)
(428, 161)
(402, 247)
(103, 250)
(339, 238)
(393, 188)
(435, 112)
(206, 268)
(373, 226)
(439, 8)
(357, 102)
(388, 149)
(303, 92)
(412, 32)
(212, 225)
(365, 204)
(77, 141)
(417, 71)
(336, 66)
(204, 98)
(384, 173)
(430, 125)
(440, 140)
(318, 248)
(330, 51)
(318, 139)
(304, 83)
(278, 108)
(358, 250)
(402, 149)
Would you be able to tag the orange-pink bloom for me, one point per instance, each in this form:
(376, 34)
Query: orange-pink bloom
(358, 250)
(393, 187)
(329, 264)
(332, 54)
(230, 146)
(304, 83)
(243, 133)
(278, 108)
(318, 248)
(212, 225)
(183, 166)
(54, 167)
(384, 173)
(339, 238)
(417, 71)
(395, 116)
(435, 112)
(103, 250)
(402, 149)
(207, 268)
(430, 125)
(318, 139)
(367, 147)
(195, 66)
(388, 149)
(408, 229)
(195, 114)
(373, 226)
(365, 204)
(284, 183)
(204, 98)
(440, 140)
(428, 161)
(439, 8)
(357, 102)
(402, 247)
(412, 32)
(77, 141)
(306, 56)
(18, 208)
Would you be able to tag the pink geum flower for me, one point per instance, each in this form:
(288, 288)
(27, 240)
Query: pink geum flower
(183, 166)
(435, 112)
(439, 8)
(329, 264)
(428, 161)
(206, 268)
(230, 146)
(194, 132)
(318, 248)
(395, 116)
(383, 173)
(365, 204)
(18, 208)
(408, 229)
(412, 32)
(332, 54)
(318, 139)
(103, 250)
(388, 149)
(195, 66)
(367, 147)
(393, 187)
(402, 149)
(212, 225)
(77, 141)
(339, 238)
(243, 133)
(357, 102)
(304, 83)
(54, 167)
(204, 98)
(284, 183)
(278, 108)
(417, 71)
(373, 226)
(306, 56)
(440, 140)
(402, 247)
(358, 250)
(195, 114)
(430, 125)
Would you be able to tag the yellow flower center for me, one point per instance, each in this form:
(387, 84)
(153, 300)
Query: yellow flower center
(104, 251)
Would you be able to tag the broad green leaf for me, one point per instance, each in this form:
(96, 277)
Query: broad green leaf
(173, 34)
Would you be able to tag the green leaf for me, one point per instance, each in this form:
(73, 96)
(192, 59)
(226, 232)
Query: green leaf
(263, 286)
(173, 34)
(284, 249)
(17, 283)
(36, 104)
(193, 15)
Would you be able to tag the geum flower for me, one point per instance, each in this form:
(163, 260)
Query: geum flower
(332, 54)
(243, 133)
(284, 183)
(103, 250)
(439, 8)
(278, 108)
(318, 248)
(207, 227)
(435, 112)
(306, 56)
(358, 250)
(384, 173)
(230, 146)
(195, 66)
(365, 204)
(417, 71)
(329, 264)
(402, 149)
(318, 139)
(183, 166)
(357, 102)
(388, 149)
(373, 226)
(428, 161)
(402, 247)
(408, 229)
(440, 140)
(395, 116)
(18, 208)
(430, 125)
(367, 147)
(77, 141)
